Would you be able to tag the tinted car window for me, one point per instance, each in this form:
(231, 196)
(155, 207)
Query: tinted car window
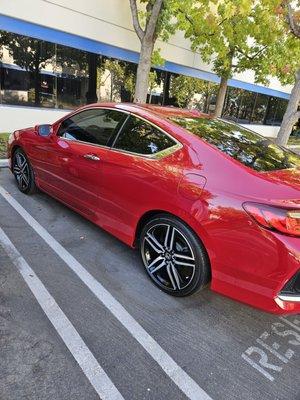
(93, 126)
(249, 148)
(140, 137)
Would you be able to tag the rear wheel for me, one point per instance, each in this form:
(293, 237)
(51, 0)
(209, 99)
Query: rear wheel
(173, 256)
(23, 172)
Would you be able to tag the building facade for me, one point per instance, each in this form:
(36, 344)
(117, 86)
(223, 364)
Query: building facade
(57, 55)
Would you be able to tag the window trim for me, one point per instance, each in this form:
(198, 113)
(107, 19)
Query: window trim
(160, 154)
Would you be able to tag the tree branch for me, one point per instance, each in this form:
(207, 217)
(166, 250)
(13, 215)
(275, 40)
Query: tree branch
(294, 27)
(187, 17)
(152, 21)
(135, 20)
(254, 55)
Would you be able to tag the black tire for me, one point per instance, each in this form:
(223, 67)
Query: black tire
(178, 265)
(23, 172)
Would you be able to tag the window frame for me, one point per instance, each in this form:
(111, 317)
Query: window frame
(160, 154)
(111, 139)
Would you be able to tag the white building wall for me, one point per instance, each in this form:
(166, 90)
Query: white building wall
(13, 117)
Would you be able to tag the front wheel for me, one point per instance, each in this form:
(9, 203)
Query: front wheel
(23, 172)
(173, 256)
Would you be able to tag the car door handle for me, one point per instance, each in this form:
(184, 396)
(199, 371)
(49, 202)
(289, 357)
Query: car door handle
(92, 157)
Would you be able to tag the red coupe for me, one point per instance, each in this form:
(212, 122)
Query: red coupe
(204, 200)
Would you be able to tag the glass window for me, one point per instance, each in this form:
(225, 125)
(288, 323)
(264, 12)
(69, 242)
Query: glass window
(271, 111)
(140, 137)
(246, 107)
(28, 77)
(275, 111)
(281, 108)
(260, 108)
(232, 104)
(93, 126)
(247, 147)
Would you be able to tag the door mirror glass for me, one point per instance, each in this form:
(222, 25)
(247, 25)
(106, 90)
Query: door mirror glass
(44, 130)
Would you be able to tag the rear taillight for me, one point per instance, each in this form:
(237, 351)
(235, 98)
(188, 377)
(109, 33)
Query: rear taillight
(275, 218)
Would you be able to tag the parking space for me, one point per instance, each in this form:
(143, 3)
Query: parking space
(160, 347)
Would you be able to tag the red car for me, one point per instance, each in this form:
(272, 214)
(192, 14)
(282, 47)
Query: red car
(204, 200)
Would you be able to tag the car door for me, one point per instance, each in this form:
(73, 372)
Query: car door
(135, 175)
(75, 156)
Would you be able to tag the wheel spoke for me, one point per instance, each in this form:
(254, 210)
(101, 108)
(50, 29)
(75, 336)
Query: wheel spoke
(162, 264)
(22, 181)
(154, 243)
(171, 277)
(169, 238)
(19, 160)
(24, 166)
(184, 264)
(25, 179)
(176, 275)
(17, 169)
(176, 255)
(159, 258)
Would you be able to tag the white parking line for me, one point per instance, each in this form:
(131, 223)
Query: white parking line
(184, 382)
(79, 350)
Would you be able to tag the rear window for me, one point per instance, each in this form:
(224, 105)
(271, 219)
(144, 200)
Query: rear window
(249, 148)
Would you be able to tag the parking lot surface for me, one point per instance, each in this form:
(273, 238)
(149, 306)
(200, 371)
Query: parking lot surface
(148, 345)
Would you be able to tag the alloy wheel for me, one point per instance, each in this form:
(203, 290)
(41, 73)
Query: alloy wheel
(168, 257)
(21, 171)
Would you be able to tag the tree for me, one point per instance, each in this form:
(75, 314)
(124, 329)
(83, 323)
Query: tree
(184, 89)
(233, 35)
(28, 53)
(291, 70)
(122, 75)
(150, 24)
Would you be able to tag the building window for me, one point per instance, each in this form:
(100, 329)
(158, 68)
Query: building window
(232, 104)
(245, 107)
(259, 109)
(42, 74)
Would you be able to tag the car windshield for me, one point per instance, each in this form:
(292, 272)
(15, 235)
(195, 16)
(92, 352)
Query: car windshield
(249, 148)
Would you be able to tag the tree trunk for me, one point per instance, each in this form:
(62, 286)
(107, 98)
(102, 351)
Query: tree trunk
(91, 95)
(166, 90)
(221, 97)
(36, 75)
(37, 86)
(143, 70)
(291, 115)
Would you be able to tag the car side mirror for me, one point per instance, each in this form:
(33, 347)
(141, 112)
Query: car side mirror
(44, 130)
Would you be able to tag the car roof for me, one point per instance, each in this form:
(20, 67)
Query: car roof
(162, 111)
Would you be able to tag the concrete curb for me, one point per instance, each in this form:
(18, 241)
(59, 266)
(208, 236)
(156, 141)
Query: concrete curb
(4, 163)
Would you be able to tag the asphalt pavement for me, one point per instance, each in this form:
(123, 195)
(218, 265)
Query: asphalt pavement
(146, 344)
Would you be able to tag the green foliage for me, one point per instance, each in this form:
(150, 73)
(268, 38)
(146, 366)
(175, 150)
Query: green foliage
(165, 26)
(236, 35)
(122, 76)
(184, 89)
(3, 144)
(153, 80)
(156, 58)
